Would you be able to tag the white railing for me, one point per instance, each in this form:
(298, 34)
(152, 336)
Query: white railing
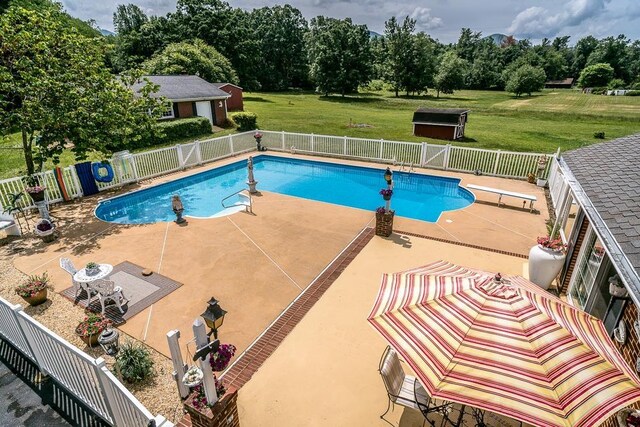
(88, 379)
(149, 164)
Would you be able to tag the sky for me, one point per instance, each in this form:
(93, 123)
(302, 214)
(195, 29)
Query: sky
(442, 19)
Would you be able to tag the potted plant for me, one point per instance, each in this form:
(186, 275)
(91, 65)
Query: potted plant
(258, 137)
(546, 260)
(45, 230)
(33, 188)
(616, 288)
(386, 193)
(34, 289)
(92, 268)
(542, 165)
(220, 359)
(90, 328)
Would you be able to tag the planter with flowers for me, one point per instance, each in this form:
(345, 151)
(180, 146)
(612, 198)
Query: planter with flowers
(90, 328)
(546, 260)
(34, 289)
(33, 188)
(92, 268)
(258, 137)
(220, 359)
(45, 230)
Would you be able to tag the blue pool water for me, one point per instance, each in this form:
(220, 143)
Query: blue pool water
(421, 197)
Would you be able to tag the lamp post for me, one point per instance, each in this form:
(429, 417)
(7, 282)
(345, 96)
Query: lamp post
(388, 176)
(214, 316)
(178, 209)
(108, 340)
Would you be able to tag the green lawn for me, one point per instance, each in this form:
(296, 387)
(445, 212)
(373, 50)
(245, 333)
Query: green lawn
(540, 123)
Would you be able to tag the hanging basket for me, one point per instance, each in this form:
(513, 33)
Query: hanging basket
(193, 377)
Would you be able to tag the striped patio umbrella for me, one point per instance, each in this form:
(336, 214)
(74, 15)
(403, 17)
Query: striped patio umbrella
(506, 347)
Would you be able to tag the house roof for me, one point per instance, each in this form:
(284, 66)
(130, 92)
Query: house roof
(448, 116)
(222, 84)
(609, 174)
(567, 81)
(184, 88)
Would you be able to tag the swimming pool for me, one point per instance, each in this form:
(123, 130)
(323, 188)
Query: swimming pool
(416, 196)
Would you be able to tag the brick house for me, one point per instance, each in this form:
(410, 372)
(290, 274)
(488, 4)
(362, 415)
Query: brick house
(596, 195)
(190, 96)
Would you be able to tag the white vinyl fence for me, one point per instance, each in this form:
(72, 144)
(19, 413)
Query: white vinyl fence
(148, 164)
(88, 379)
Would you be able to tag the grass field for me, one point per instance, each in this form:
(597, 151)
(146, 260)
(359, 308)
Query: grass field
(540, 123)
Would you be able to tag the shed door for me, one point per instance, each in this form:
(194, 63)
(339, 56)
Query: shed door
(204, 110)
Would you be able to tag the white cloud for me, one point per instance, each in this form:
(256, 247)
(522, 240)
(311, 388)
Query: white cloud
(424, 20)
(537, 22)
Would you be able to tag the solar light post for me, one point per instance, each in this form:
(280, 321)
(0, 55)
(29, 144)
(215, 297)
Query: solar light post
(214, 316)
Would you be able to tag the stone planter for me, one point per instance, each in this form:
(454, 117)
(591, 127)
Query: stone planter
(384, 223)
(90, 340)
(540, 182)
(544, 265)
(38, 298)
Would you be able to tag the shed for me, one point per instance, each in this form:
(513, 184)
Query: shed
(559, 84)
(235, 102)
(190, 96)
(440, 123)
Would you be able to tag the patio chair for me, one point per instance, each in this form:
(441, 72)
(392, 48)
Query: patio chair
(67, 265)
(405, 390)
(107, 290)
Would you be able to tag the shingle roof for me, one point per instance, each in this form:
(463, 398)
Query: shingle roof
(184, 88)
(221, 84)
(609, 173)
(446, 116)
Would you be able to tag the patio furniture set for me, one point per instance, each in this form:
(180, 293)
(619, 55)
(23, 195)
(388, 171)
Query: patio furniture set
(95, 283)
(495, 346)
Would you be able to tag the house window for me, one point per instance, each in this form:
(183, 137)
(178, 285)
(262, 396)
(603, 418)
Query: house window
(168, 113)
(586, 272)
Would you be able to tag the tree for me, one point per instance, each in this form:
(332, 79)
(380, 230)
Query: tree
(128, 18)
(281, 31)
(196, 58)
(526, 79)
(339, 55)
(484, 73)
(422, 66)
(612, 51)
(468, 44)
(55, 88)
(582, 50)
(398, 52)
(450, 74)
(596, 75)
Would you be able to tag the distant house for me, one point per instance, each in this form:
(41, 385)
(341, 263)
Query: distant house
(190, 96)
(235, 102)
(560, 84)
(440, 123)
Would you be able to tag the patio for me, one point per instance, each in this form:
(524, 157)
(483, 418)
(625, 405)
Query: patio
(255, 265)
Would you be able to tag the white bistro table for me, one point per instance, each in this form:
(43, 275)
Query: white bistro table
(84, 279)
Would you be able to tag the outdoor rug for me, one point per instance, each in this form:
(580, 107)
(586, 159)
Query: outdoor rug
(140, 292)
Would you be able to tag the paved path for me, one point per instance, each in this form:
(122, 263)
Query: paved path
(21, 406)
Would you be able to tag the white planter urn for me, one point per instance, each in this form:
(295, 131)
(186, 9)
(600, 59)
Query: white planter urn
(544, 265)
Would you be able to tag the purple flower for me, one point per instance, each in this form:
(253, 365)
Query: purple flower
(220, 359)
(386, 192)
(381, 210)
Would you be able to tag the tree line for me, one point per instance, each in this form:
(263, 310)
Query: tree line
(276, 48)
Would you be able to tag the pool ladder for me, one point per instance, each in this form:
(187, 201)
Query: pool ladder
(244, 199)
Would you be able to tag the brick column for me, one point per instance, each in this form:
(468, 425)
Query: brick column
(223, 414)
(384, 223)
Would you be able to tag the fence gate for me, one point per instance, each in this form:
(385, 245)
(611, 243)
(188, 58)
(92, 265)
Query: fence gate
(189, 154)
(434, 156)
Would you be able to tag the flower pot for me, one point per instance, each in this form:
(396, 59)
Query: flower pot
(92, 271)
(38, 298)
(544, 265)
(37, 197)
(90, 340)
(617, 290)
(541, 182)
(386, 197)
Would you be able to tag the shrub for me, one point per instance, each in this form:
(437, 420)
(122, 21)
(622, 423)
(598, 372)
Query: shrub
(168, 131)
(245, 121)
(373, 85)
(596, 75)
(134, 362)
(598, 90)
(616, 84)
(33, 285)
(633, 93)
(526, 79)
(598, 135)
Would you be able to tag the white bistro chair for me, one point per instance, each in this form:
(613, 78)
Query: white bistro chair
(107, 290)
(67, 265)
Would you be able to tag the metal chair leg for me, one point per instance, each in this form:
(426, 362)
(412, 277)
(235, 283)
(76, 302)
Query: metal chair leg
(389, 403)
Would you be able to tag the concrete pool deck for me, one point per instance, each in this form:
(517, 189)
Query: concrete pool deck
(255, 265)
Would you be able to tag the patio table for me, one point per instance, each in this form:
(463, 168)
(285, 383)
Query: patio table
(84, 280)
